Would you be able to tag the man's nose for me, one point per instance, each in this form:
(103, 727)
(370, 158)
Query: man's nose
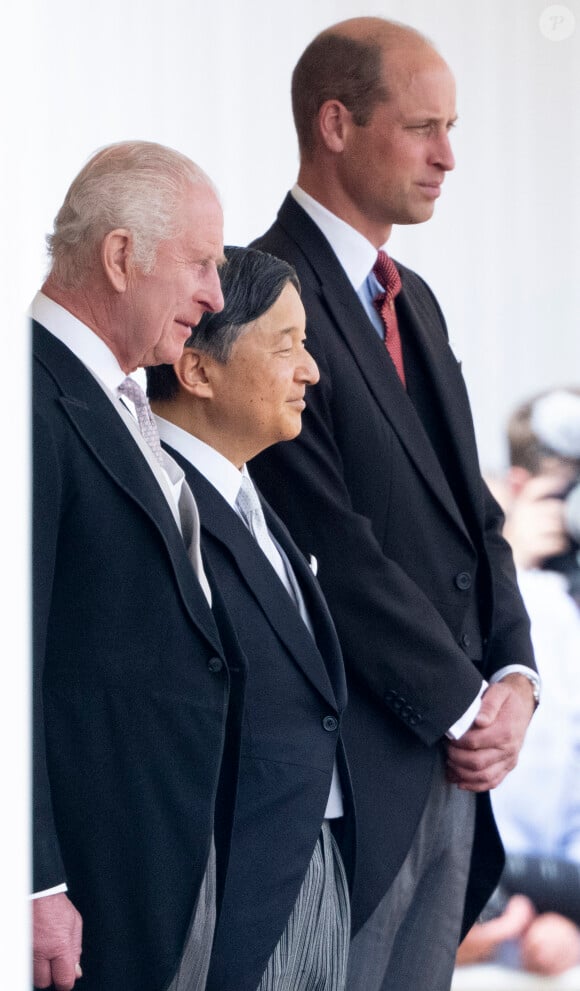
(444, 153)
(211, 295)
(308, 369)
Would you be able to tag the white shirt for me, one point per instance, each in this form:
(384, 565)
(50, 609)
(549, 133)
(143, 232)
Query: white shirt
(227, 479)
(357, 257)
(221, 473)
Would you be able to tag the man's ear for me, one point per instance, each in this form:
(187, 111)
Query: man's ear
(194, 373)
(117, 257)
(333, 123)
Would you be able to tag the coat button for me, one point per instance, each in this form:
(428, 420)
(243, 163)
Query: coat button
(215, 664)
(463, 580)
(465, 640)
(330, 724)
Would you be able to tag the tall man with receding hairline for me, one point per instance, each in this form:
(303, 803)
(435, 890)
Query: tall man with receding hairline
(384, 486)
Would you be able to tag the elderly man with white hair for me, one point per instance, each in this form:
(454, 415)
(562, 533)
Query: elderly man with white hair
(132, 688)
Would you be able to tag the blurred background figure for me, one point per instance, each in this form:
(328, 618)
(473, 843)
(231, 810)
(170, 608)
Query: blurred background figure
(533, 919)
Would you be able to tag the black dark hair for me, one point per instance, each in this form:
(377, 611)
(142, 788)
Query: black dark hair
(251, 283)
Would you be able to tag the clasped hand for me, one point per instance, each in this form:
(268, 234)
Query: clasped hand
(482, 757)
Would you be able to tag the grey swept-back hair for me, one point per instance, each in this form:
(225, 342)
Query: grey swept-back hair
(136, 185)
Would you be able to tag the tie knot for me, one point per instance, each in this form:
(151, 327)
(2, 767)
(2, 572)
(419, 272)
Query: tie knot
(386, 273)
(248, 501)
(133, 391)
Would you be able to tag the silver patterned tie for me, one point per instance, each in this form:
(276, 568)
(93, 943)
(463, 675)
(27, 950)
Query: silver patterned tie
(252, 513)
(186, 508)
(133, 391)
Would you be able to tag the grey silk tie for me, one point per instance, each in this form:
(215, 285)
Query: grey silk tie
(250, 507)
(133, 391)
(252, 514)
(187, 508)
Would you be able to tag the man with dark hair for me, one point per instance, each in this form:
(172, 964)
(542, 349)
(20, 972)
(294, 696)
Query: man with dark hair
(384, 485)
(240, 386)
(131, 680)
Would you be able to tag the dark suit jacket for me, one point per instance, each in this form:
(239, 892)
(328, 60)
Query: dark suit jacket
(131, 686)
(295, 699)
(384, 486)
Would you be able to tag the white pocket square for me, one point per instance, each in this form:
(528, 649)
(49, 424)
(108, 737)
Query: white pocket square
(313, 564)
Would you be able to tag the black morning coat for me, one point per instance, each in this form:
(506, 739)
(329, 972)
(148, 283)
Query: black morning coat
(294, 705)
(132, 688)
(384, 486)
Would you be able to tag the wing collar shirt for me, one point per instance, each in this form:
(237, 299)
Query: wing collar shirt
(227, 479)
(357, 257)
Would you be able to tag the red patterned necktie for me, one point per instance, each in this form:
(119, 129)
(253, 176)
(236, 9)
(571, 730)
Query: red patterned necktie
(386, 272)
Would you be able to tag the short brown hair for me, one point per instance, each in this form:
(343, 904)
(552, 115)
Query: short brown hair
(340, 68)
(345, 63)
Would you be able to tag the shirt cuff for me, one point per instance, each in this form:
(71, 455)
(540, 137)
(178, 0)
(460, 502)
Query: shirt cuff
(516, 669)
(57, 890)
(532, 676)
(464, 722)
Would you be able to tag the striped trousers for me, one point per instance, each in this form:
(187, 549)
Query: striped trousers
(192, 971)
(312, 952)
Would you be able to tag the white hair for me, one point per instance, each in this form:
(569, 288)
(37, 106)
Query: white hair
(135, 185)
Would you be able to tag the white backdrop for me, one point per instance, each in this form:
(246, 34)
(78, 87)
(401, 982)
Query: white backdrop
(212, 79)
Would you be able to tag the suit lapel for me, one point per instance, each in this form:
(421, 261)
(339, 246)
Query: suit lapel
(102, 430)
(448, 385)
(324, 629)
(220, 523)
(369, 353)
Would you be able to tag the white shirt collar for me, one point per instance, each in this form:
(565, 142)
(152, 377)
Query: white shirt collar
(356, 255)
(221, 473)
(78, 338)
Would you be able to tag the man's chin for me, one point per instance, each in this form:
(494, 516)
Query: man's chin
(168, 353)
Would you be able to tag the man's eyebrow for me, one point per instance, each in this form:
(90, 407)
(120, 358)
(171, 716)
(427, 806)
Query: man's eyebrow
(285, 330)
(431, 119)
